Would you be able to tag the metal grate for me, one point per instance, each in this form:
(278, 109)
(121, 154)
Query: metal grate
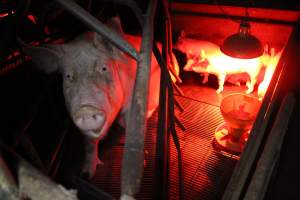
(206, 171)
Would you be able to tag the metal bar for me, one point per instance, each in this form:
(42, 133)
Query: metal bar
(178, 105)
(139, 15)
(171, 100)
(233, 17)
(238, 179)
(31, 152)
(163, 136)
(98, 27)
(8, 185)
(169, 36)
(176, 141)
(179, 124)
(32, 183)
(133, 156)
(35, 185)
(58, 147)
(89, 191)
(238, 182)
(162, 144)
(270, 155)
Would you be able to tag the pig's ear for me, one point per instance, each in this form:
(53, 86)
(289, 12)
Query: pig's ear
(115, 24)
(182, 33)
(272, 52)
(182, 36)
(266, 49)
(100, 43)
(45, 57)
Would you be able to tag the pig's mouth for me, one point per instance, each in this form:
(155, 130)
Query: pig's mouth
(90, 120)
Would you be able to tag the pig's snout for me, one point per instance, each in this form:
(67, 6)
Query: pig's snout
(90, 119)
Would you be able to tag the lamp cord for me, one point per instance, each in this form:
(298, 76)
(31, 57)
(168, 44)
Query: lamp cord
(225, 13)
(250, 3)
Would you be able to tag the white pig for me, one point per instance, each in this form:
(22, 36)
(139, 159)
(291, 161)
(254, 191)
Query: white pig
(206, 58)
(98, 81)
(222, 65)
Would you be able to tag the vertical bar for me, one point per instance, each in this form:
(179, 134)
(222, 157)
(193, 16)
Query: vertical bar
(261, 178)
(133, 156)
(163, 136)
(162, 145)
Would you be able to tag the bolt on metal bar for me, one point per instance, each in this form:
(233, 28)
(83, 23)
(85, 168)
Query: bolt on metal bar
(133, 156)
(98, 27)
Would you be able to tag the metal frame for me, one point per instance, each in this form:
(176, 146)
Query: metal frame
(238, 184)
(132, 166)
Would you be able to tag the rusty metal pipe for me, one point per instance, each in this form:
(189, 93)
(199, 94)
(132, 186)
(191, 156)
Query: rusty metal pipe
(133, 156)
(98, 27)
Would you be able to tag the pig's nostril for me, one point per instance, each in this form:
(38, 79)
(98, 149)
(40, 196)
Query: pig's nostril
(99, 117)
(96, 116)
(89, 119)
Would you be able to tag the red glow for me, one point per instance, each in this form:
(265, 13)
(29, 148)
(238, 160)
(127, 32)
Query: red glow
(272, 62)
(3, 14)
(32, 18)
(223, 63)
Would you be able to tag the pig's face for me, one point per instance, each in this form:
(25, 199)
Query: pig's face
(91, 83)
(92, 87)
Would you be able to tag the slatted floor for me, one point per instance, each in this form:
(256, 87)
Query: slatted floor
(206, 171)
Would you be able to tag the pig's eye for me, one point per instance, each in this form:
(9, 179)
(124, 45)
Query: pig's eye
(69, 76)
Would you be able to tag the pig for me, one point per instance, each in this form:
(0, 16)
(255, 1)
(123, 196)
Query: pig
(98, 81)
(271, 62)
(206, 58)
(222, 66)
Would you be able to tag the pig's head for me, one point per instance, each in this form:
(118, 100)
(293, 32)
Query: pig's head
(92, 88)
(197, 63)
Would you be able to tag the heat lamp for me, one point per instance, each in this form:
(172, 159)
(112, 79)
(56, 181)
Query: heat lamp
(242, 45)
(239, 112)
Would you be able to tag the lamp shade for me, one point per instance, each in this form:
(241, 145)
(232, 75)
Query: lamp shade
(242, 45)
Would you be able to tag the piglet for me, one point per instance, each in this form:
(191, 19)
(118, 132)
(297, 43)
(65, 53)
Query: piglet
(271, 62)
(98, 82)
(222, 66)
(206, 58)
